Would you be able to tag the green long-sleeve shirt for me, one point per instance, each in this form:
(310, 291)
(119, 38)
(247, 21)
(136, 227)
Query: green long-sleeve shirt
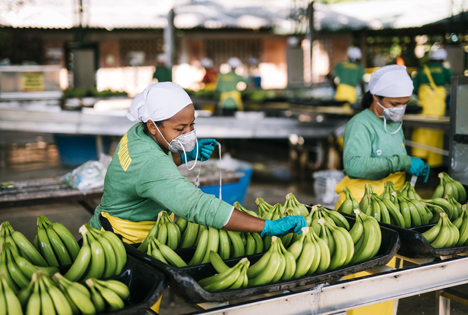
(349, 73)
(371, 153)
(142, 180)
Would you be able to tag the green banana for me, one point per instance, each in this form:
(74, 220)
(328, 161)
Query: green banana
(46, 247)
(324, 254)
(213, 243)
(15, 272)
(182, 224)
(238, 245)
(439, 191)
(201, 249)
(250, 247)
(217, 262)
(370, 238)
(444, 235)
(28, 249)
(239, 207)
(290, 261)
(268, 273)
(190, 235)
(220, 276)
(60, 301)
(337, 218)
(224, 245)
(81, 263)
(110, 258)
(305, 259)
(395, 213)
(119, 250)
(13, 304)
(173, 235)
(68, 239)
(4, 269)
(59, 247)
(296, 248)
(431, 234)
(162, 231)
(170, 255)
(282, 265)
(47, 305)
(96, 297)
(118, 287)
(258, 243)
(317, 257)
(98, 259)
(82, 301)
(34, 303)
(225, 282)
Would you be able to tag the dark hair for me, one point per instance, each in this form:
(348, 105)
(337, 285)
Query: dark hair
(367, 100)
(158, 123)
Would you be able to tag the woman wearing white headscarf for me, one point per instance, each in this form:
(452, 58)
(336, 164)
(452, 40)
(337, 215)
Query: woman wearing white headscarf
(374, 144)
(143, 179)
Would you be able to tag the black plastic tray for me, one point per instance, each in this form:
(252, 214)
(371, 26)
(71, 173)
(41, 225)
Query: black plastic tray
(183, 281)
(414, 245)
(146, 285)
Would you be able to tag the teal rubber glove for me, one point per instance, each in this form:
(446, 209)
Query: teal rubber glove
(419, 168)
(283, 226)
(205, 148)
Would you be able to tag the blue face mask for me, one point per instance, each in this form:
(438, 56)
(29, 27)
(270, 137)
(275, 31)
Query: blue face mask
(394, 114)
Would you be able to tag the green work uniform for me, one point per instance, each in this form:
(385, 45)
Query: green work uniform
(142, 180)
(228, 83)
(371, 153)
(439, 73)
(349, 73)
(163, 74)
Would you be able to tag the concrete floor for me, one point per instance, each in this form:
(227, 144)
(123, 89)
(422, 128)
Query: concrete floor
(40, 162)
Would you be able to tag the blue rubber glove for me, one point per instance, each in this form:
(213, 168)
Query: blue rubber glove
(283, 226)
(419, 168)
(205, 148)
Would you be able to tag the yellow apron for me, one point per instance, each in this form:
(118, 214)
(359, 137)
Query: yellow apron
(235, 95)
(357, 188)
(432, 100)
(132, 233)
(346, 92)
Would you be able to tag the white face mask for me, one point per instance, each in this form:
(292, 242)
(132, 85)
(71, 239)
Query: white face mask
(182, 144)
(394, 114)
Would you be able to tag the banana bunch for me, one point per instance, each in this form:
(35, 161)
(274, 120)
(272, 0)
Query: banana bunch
(229, 278)
(339, 242)
(21, 244)
(296, 207)
(444, 233)
(277, 264)
(388, 192)
(439, 205)
(349, 203)
(107, 295)
(9, 302)
(238, 206)
(414, 212)
(462, 227)
(317, 212)
(262, 207)
(102, 255)
(383, 210)
(366, 236)
(164, 253)
(55, 242)
(18, 270)
(369, 190)
(451, 187)
(166, 231)
(408, 191)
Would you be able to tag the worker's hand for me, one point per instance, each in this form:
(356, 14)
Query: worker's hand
(205, 148)
(419, 168)
(283, 226)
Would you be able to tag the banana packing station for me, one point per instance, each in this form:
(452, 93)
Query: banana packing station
(365, 101)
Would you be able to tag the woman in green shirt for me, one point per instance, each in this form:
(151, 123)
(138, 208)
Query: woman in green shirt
(143, 178)
(374, 144)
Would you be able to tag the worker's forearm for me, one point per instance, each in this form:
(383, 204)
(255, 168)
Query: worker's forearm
(243, 222)
(177, 159)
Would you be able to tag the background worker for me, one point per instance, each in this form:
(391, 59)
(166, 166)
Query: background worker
(429, 83)
(374, 149)
(230, 99)
(163, 71)
(211, 75)
(374, 144)
(347, 76)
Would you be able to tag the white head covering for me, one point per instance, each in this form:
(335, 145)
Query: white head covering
(391, 81)
(207, 63)
(354, 53)
(439, 54)
(159, 101)
(234, 62)
(162, 58)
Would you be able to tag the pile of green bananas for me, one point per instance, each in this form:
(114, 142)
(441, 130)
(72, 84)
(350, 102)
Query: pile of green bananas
(21, 244)
(451, 187)
(349, 204)
(443, 234)
(9, 302)
(163, 253)
(166, 231)
(55, 242)
(366, 236)
(58, 295)
(227, 278)
(317, 212)
(441, 205)
(18, 270)
(408, 191)
(101, 255)
(339, 242)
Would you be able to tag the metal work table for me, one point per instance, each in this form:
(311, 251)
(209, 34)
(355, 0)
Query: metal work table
(384, 284)
(104, 123)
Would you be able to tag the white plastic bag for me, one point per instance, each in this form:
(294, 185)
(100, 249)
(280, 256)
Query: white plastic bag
(88, 176)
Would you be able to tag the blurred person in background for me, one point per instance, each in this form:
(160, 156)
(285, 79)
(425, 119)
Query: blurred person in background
(230, 99)
(347, 76)
(211, 75)
(255, 81)
(163, 72)
(429, 84)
